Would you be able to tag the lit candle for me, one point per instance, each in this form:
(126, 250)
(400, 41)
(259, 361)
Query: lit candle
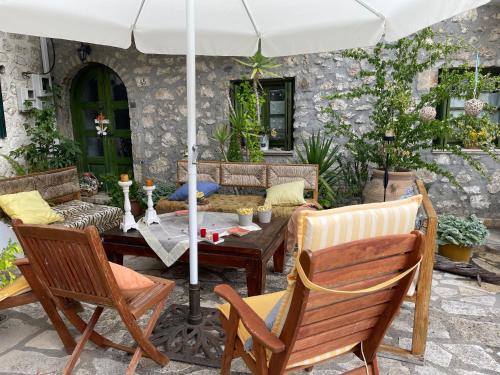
(203, 232)
(149, 182)
(215, 236)
(124, 177)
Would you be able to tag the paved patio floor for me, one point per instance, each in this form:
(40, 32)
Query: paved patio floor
(464, 333)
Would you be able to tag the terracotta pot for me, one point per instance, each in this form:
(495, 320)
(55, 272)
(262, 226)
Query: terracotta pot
(455, 252)
(136, 208)
(399, 182)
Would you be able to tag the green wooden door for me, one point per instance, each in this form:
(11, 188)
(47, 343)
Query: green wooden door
(97, 89)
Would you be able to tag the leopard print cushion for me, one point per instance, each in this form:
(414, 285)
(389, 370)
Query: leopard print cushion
(78, 214)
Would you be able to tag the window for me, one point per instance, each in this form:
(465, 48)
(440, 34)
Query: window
(3, 132)
(277, 111)
(455, 106)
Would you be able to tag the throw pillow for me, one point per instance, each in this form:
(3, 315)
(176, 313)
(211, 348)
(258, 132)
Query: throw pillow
(289, 194)
(208, 188)
(29, 207)
(129, 282)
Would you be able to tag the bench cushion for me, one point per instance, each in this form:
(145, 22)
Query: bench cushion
(229, 203)
(78, 214)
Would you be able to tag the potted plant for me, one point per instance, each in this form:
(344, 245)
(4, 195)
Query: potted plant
(7, 258)
(89, 184)
(245, 216)
(456, 236)
(264, 213)
(402, 126)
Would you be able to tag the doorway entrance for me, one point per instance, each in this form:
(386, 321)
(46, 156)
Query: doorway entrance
(99, 90)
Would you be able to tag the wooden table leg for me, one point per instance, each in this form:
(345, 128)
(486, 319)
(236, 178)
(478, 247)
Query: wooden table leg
(115, 257)
(256, 278)
(48, 305)
(279, 258)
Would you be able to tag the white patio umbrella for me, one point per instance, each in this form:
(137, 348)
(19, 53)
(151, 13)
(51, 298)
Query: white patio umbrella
(225, 28)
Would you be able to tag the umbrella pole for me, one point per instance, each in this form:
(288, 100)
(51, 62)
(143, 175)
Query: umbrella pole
(191, 334)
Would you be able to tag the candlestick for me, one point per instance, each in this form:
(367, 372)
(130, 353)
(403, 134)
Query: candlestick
(151, 216)
(124, 177)
(128, 219)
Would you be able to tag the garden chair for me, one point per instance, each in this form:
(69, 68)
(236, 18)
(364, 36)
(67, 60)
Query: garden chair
(370, 278)
(71, 264)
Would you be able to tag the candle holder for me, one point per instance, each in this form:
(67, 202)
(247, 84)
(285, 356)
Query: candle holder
(151, 216)
(128, 219)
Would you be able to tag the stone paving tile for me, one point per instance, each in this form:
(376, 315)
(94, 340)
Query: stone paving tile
(464, 331)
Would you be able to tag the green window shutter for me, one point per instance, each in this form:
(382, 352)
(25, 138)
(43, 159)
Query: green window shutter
(3, 130)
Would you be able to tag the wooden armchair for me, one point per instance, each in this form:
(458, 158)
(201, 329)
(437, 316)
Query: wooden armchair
(370, 277)
(71, 265)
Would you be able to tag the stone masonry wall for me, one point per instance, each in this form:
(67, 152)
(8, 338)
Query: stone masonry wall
(157, 100)
(18, 53)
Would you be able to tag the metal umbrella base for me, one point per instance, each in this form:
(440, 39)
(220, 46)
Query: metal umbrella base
(199, 341)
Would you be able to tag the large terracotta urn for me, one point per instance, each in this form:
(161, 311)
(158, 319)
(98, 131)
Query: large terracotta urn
(399, 182)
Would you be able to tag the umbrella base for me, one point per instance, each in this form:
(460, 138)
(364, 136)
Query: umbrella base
(201, 344)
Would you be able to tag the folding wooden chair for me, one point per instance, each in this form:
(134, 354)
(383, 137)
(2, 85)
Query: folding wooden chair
(71, 264)
(345, 298)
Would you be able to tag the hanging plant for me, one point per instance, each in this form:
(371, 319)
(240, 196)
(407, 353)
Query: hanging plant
(474, 106)
(427, 113)
(102, 122)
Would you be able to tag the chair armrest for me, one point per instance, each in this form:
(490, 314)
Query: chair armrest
(22, 262)
(252, 322)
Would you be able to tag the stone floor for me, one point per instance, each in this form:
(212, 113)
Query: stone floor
(464, 332)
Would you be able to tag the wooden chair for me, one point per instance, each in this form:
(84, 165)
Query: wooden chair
(370, 277)
(71, 264)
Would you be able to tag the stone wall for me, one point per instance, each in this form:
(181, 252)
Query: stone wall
(156, 91)
(18, 53)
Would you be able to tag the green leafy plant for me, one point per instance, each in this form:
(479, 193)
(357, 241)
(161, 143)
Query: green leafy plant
(260, 66)
(7, 258)
(163, 190)
(353, 174)
(18, 169)
(47, 148)
(222, 135)
(321, 151)
(386, 80)
(466, 232)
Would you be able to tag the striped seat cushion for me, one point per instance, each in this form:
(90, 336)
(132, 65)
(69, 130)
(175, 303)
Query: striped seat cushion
(321, 229)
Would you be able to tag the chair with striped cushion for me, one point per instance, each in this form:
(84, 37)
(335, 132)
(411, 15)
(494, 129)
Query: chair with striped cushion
(345, 298)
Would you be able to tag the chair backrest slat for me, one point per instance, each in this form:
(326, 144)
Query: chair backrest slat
(71, 262)
(321, 322)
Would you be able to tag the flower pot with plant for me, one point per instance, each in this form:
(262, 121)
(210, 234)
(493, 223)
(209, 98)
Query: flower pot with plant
(245, 216)
(89, 184)
(264, 213)
(456, 236)
(403, 127)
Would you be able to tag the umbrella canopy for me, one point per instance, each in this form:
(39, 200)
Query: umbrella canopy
(228, 27)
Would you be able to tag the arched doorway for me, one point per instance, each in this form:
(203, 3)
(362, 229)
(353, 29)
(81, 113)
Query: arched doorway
(98, 89)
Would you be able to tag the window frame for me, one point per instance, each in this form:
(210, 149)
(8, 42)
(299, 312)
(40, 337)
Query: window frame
(3, 126)
(443, 109)
(288, 84)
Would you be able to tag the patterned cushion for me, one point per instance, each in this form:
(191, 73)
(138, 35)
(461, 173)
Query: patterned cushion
(78, 214)
(228, 203)
(321, 229)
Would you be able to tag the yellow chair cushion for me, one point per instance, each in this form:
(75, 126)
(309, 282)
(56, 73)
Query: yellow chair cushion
(19, 286)
(262, 305)
(29, 207)
(289, 194)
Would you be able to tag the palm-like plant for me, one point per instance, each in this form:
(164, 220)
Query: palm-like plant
(322, 151)
(261, 66)
(222, 135)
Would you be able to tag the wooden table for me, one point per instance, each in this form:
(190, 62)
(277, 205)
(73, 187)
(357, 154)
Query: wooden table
(251, 252)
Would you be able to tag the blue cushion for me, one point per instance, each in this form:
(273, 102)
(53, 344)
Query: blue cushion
(181, 194)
